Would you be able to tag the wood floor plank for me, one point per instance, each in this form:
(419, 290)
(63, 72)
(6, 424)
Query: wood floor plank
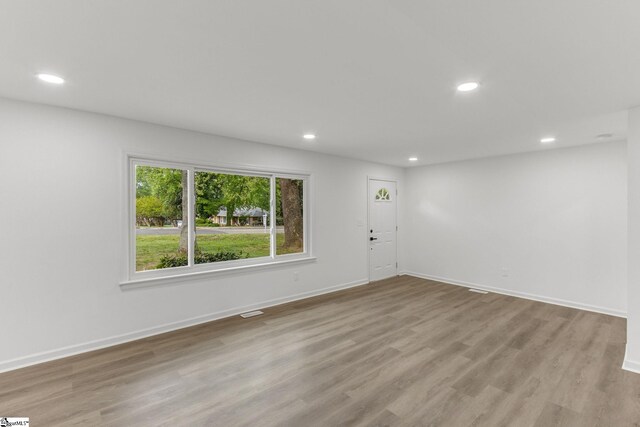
(556, 415)
(400, 352)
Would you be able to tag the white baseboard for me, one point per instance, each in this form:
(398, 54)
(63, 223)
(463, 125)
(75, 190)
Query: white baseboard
(550, 300)
(46, 356)
(630, 365)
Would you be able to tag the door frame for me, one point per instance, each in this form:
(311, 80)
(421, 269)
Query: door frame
(395, 181)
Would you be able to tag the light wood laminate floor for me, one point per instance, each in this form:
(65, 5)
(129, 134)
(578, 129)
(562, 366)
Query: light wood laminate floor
(404, 351)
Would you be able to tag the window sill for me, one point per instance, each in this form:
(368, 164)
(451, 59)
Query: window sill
(173, 279)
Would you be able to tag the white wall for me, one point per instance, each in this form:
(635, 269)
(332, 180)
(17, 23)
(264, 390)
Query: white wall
(62, 219)
(556, 220)
(632, 358)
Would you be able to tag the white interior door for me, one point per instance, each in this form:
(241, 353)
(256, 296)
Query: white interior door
(382, 229)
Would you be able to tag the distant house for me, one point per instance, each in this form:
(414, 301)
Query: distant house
(250, 216)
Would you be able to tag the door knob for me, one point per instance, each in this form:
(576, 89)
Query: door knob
(373, 238)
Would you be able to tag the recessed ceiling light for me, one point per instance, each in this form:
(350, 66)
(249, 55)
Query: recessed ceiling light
(413, 159)
(50, 78)
(468, 86)
(604, 135)
(309, 136)
(548, 140)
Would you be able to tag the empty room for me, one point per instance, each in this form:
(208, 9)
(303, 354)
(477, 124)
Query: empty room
(330, 213)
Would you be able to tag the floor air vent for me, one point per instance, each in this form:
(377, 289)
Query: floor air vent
(251, 314)
(478, 291)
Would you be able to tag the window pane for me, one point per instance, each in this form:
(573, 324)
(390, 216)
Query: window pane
(232, 217)
(289, 216)
(161, 221)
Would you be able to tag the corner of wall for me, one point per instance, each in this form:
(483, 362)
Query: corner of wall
(630, 365)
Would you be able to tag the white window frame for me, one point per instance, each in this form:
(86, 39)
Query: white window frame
(135, 278)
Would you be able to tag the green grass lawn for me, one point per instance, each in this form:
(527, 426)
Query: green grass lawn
(150, 248)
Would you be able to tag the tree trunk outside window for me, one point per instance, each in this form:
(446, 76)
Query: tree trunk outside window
(292, 213)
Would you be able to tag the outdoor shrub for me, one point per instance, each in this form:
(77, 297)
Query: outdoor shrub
(206, 222)
(179, 260)
(169, 261)
(203, 258)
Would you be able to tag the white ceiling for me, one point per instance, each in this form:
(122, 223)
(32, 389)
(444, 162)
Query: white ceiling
(374, 79)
